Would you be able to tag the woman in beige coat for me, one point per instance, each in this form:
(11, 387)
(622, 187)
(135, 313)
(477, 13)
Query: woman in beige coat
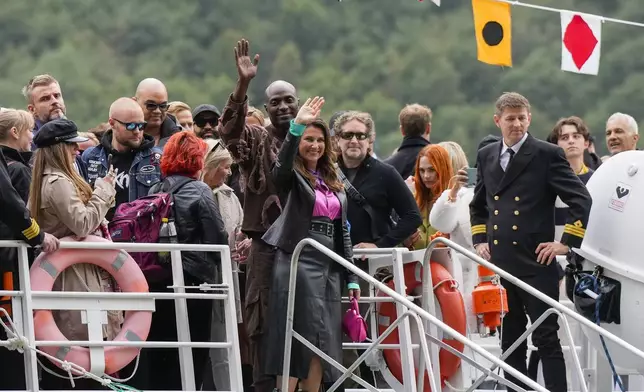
(65, 205)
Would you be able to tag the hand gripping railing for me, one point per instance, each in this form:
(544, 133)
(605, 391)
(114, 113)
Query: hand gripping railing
(290, 333)
(557, 308)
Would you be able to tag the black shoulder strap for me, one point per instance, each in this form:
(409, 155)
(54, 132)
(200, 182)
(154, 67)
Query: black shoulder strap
(178, 185)
(357, 197)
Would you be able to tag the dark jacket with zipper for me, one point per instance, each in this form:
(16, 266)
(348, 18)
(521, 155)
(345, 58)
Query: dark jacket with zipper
(198, 221)
(404, 159)
(293, 224)
(384, 190)
(169, 127)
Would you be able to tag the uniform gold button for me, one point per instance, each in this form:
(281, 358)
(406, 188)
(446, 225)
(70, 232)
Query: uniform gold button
(496, 198)
(496, 212)
(514, 227)
(516, 198)
(514, 242)
(496, 242)
(496, 227)
(516, 212)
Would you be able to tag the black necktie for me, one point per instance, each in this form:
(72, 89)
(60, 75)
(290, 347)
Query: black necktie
(511, 153)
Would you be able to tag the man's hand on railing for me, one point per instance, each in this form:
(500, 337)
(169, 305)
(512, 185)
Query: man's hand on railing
(483, 250)
(547, 251)
(50, 243)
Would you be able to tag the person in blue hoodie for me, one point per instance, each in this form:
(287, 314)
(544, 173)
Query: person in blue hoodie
(132, 153)
(46, 103)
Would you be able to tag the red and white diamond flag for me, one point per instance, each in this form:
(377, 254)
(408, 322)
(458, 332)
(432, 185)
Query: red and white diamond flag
(581, 37)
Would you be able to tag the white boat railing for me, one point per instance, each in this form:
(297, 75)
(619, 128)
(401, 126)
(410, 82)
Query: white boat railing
(29, 300)
(408, 310)
(403, 305)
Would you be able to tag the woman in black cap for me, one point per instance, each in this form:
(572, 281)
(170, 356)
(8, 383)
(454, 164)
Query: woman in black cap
(65, 205)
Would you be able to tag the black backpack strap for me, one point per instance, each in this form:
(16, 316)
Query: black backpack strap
(357, 197)
(179, 184)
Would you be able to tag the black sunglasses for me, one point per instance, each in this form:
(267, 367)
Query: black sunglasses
(152, 106)
(133, 126)
(350, 135)
(201, 122)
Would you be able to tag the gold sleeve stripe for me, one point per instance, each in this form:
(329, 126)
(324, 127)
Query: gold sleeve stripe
(479, 229)
(574, 230)
(32, 231)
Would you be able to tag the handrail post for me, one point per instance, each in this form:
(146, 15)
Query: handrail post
(234, 357)
(404, 331)
(31, 363)
(186, 363)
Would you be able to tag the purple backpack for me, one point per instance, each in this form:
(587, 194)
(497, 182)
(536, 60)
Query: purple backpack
(140, 221)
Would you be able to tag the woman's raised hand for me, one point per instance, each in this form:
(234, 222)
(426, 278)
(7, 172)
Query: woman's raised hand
(309, 111)
(458, 181)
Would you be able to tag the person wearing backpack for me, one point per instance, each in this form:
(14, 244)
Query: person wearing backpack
(198, 221)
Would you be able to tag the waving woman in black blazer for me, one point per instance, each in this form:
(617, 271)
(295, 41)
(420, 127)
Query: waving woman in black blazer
(316, 207)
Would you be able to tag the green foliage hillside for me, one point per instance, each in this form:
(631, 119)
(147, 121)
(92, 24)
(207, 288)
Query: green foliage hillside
(373, 55)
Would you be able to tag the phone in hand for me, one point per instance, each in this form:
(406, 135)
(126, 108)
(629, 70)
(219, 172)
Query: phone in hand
(471, 176)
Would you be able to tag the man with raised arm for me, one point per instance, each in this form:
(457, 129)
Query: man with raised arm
(255, 150)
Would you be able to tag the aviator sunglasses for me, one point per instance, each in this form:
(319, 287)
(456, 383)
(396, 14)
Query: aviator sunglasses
(350, 135)
(133, 126)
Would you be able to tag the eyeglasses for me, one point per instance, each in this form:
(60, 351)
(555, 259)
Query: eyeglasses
(132, 126)
(152, 106)
(350, 135)
(201, 122)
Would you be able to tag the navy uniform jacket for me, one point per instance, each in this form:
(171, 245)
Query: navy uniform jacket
(514, 211)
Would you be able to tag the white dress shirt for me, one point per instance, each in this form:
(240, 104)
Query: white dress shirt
(505, 155)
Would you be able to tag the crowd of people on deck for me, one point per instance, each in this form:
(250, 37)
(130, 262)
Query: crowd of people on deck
(260, 182)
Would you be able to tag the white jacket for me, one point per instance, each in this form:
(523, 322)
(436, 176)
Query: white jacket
(453, 218)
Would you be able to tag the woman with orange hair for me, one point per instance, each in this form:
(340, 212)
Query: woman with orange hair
(198, 221)
(433, 173)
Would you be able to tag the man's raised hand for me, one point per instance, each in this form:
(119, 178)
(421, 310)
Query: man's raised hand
(309, 111)
(246, 68)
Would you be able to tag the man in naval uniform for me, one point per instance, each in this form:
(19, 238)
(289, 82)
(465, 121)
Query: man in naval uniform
(512, 215)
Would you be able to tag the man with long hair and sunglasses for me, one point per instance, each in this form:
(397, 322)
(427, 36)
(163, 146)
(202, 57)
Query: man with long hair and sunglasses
(152, 96)
(129, 149)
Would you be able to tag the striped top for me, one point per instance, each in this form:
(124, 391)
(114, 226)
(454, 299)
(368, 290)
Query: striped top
(561, 208)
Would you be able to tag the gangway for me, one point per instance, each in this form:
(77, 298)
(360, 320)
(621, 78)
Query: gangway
(426, 321)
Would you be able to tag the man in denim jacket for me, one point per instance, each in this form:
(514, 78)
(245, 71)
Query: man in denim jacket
(129, 150)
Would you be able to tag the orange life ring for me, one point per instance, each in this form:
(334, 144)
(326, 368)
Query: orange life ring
(129, 277)
(453, 311)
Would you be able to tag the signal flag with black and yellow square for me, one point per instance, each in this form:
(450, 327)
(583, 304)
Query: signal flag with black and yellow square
(493, 27)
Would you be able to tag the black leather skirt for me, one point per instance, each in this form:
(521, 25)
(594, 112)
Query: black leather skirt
(318, 311)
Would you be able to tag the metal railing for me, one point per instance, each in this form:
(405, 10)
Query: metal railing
(408, 309)
(31, 300)
(403, 305)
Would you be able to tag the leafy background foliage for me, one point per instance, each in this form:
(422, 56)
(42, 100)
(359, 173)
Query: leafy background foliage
(373, 55)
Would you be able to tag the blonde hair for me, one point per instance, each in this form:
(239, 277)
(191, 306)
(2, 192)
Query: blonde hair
(91, 136)
(178, 106)
(215, 154)
(13, 118)
(56, 157)
(456, 154)
(37, 81)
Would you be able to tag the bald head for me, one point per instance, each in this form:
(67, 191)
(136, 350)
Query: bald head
(281, 104)
(125, 108)
(152, 96)
(151, 85)
(279, 86)
(126, 121)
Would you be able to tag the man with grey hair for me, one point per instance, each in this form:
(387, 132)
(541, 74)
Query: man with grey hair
(621, 133)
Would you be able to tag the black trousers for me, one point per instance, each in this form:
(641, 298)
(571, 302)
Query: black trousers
(521, 306)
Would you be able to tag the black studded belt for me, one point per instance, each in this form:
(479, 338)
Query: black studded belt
(323, 228)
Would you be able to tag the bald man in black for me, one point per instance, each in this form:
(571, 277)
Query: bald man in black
(255, 149)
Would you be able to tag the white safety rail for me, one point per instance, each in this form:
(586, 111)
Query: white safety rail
(429, 364)
(25, 301)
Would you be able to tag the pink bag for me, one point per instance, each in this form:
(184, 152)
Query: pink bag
(353, 324)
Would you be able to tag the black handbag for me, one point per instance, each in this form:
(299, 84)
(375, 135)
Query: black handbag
(602, 307)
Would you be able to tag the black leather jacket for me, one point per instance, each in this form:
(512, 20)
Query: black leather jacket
(198, 221)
